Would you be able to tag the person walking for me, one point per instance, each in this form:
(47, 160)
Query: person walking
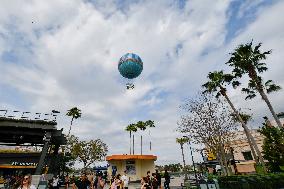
(154, 181)
(55, 181)
(159, 179)
(125, 180)
(101, 182)
(83, 182)
(67, 181)
(42, 177)
(72, 181)
(26, 183)
(116, 184)
(167, 180)
(149, 178)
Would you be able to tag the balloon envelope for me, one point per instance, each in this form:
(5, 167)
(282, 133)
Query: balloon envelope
(130, 65)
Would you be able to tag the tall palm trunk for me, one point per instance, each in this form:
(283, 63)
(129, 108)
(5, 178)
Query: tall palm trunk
(265, 98)
(141, 144)
(250, 138)
(253, 75)
(70, 126)
(133, 144)
(130, 134)
(183, 160)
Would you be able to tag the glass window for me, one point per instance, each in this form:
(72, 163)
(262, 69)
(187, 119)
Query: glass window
(247, 155)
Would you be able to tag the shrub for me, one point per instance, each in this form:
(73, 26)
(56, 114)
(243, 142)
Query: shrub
(268, 181)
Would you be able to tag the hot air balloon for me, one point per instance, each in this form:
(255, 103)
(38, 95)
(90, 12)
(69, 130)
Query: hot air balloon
(130, 66)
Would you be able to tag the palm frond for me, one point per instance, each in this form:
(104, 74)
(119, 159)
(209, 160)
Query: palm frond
(74, 112)
(270, 86)
(250, 93)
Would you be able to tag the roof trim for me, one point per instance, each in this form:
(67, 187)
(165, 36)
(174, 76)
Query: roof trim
(16, 167)
(131, 157)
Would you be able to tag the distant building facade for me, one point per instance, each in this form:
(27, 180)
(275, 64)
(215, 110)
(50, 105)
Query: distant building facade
(241, 151)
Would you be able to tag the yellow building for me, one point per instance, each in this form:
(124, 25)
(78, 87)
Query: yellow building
(136, 166)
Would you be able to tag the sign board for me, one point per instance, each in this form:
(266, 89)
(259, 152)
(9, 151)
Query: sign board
(23, 163)
(130, 167)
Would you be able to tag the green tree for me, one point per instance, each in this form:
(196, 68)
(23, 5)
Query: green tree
(173, 167)
(131, 128)
(217, 84)
(67, 159)
(248, 59)
(273, 146)
(75, 113)
(89, 152)
(181, 142)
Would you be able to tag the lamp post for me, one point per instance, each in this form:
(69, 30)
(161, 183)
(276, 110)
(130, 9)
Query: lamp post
(192, 160)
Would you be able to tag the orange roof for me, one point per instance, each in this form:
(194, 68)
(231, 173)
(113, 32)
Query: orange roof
(131, 157)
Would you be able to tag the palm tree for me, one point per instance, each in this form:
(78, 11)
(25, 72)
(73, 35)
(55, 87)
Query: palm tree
(182, 141)
(247, 59)
(75, 113)
(217, 83)
(150, 124)
(143, 126)
(131, 128)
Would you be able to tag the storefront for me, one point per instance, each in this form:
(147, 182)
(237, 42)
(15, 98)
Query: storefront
(136, 166)
(18, 163)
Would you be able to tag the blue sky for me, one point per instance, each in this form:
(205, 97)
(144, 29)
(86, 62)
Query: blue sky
(60, 54)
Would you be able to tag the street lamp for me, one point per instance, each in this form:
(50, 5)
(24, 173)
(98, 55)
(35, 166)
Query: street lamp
(192, 159)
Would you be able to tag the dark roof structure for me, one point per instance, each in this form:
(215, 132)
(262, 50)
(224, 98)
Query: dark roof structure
(21, 131)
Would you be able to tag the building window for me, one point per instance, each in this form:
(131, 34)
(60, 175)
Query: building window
(247, 155)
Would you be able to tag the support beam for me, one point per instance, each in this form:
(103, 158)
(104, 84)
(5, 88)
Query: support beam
(54, 165)
(40, 164)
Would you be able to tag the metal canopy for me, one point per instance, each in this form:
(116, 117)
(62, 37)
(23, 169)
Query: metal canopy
(33, 132)
(19, 132)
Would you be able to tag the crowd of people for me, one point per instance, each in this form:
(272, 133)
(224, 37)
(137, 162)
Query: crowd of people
(85, 181)
(90, 181)
(154, 181)
(118, 181)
